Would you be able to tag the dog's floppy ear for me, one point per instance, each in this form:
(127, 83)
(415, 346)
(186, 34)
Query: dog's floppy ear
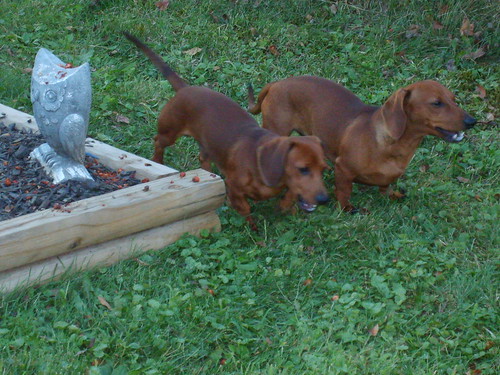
(394, 115)
(271, 159)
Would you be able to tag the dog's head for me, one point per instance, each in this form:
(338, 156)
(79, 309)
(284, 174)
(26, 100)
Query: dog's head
(426, 107)
(298, 163)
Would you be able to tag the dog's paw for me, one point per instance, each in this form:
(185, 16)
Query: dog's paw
(354, 210)
(397, 194)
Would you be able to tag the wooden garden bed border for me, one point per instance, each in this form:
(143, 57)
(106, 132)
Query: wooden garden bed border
(102, 230)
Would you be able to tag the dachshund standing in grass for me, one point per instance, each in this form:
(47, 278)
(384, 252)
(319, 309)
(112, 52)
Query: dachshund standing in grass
(256, 163)
(367, 144)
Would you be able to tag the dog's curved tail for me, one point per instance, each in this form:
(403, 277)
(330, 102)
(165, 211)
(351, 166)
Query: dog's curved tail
(171, 76)
(255, 107)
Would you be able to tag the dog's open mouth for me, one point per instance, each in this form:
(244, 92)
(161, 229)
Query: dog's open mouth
(451, 136)
(307, 207)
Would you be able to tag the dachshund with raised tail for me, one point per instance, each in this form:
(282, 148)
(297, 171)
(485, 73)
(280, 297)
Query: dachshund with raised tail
(368, 144)
(257, 164)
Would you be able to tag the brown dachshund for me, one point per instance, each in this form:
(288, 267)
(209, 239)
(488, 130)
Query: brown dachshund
(368, 145)
(257, 163)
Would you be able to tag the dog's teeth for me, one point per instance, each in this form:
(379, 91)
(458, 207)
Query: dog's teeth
(457, 137)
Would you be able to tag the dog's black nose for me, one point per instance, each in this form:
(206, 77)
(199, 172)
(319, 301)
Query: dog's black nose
(322, 198)
(469, 122)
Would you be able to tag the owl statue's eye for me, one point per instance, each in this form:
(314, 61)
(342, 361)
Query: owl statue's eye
(51, 95)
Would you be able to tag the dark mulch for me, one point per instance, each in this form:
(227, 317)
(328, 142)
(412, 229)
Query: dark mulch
(26, 188)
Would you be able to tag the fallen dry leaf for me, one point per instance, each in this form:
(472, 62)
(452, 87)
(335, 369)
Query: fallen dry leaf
(463, 180)
(424, 168)
(141, 262)
(490, 117)
(467, 28)
(480, 52)
(374, 330)
(436, 25)
(193, 51)
(481, 91)
(274, 50)
(307, 282)
(450, 65)
(335, 297)
(162, 5)
(444, 9)
(413, 31)
(334, 8)
(122, 119)
(105, 303)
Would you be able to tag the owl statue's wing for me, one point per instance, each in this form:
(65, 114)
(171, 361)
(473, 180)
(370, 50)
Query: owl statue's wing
(72, 134)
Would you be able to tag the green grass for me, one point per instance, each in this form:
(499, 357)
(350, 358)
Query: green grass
(425, 270)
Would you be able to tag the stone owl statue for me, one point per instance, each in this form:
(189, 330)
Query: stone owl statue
(61, 97)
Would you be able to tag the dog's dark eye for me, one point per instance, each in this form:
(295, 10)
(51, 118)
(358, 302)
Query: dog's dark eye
(437, 103)
(304, 170)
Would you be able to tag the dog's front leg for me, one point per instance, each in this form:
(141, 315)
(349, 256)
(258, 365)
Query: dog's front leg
(287, 203)
(241, 205)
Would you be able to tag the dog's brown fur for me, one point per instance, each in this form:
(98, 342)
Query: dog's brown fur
(256, 163)
(369, 145)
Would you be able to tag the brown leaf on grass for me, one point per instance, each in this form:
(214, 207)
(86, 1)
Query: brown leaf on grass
(463, 180)
(436, 25)
(105, 303)
(444, 9)
(481, 91)
(489, 344)
(480, 52)
(490, 117)
(162, 5)
(27, 70)
(141, 262)
(122, 119)
(374, 331)
(467, 28)
(334, 8)
(307, 282)
(450, 65)
(413, 31)
(424, 168)
(193, 51)
(274, 51)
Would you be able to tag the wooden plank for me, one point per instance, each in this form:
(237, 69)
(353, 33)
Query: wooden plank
(47, 233)
(115, 158)
(106, 253)
(109, 156)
